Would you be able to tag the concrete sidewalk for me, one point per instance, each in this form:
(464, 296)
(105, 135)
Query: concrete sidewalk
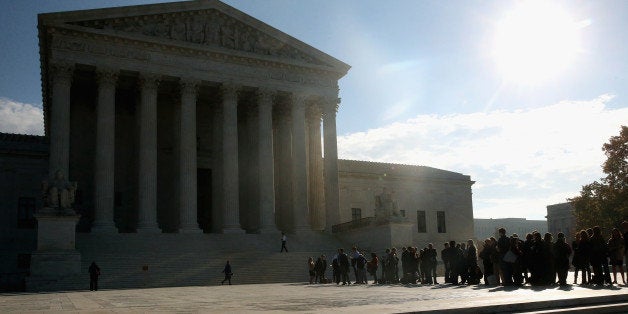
(314, 298)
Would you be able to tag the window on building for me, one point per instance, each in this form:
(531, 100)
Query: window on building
(25, 212)
(402, 213)
(356, 213)
(421, 222)
(440, 222)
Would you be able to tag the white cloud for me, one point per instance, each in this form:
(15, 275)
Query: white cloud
(16, 117)
(525, 158)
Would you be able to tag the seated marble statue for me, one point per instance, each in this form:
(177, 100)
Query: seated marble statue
(59, 192)
(386, 207)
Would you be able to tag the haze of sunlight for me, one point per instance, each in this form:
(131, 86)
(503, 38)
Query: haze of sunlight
(534, 42)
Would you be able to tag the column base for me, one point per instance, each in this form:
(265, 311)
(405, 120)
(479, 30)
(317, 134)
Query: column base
(99, 228)
(192, 230)
(233, 230)
(148, 229)
(269, 230)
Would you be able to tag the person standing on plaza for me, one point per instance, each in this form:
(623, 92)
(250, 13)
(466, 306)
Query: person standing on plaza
(624, 226)
(562, 251)
(311, 269)
(228, 273)
(444, 255)
(343, 262)
(284, 239)
(616, 254)
(505, 268)
(581, 253)
(94, 272)
(372, 266)
(599, 258)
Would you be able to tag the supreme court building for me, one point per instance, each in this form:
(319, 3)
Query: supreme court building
(194, 117)
(159, 110)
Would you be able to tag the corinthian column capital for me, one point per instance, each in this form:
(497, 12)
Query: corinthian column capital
(107, 75)
(61, 72)
(189, 86)
(149, 81)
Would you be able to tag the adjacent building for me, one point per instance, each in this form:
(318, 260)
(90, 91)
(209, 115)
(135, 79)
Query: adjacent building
(485, 228)
(560, 218)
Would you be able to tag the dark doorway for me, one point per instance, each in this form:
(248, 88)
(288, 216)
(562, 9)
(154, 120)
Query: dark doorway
(204, 199)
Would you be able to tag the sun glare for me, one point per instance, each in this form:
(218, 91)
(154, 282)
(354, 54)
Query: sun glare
(535, 42)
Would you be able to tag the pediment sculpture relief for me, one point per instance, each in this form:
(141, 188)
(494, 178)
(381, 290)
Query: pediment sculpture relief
(208, 27)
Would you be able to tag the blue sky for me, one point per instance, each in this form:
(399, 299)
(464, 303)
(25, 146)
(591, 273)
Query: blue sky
(429, 85)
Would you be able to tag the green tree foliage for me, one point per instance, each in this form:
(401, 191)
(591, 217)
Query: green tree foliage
(605, 202)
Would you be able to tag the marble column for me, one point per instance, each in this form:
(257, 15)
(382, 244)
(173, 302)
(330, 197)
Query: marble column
(147, 181)
(105, 152)
(299, 165)
(283, 170)
(61, 76)
(316, 199)
(266, 184)
(332, 199)
(188, 220)
(230, 179)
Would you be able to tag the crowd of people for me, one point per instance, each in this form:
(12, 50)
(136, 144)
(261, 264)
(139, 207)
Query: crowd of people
(537, 259)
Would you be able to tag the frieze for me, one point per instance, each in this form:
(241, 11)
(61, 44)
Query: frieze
(71, 41)
(206, 27)
(106, 50)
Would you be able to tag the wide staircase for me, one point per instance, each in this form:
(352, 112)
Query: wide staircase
(165, 260)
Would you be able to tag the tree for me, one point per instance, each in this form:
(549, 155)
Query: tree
(605, 202)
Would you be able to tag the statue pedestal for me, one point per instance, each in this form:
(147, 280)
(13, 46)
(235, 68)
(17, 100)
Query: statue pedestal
(56, 256)
(377, 237)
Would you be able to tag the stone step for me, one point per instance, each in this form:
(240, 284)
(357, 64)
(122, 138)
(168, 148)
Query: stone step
(192, 259)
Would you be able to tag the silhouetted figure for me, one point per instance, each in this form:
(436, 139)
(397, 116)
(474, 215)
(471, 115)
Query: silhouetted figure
(562, 251)
(94, 272)
(284, 239)
(228, 273)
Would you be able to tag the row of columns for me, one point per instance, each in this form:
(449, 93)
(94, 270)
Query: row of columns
(147, 189)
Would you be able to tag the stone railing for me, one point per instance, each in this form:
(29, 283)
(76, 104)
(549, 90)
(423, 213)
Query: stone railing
(354, 224)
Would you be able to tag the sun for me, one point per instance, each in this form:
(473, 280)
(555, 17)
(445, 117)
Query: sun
(535, 42)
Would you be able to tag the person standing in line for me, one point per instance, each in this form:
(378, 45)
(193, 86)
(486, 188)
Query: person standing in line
(562, 251)
(624, 227)
(444, 255)
(228, 273)
(284, 239)
(372, 267)
(616, 254)
(343, 262)
(94, 272)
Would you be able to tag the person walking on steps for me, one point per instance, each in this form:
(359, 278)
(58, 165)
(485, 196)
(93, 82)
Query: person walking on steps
(284, 239)
(228, 273)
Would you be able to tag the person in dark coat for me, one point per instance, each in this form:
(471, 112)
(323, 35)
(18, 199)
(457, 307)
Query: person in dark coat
(562, 251)
(343, 262)
(372, 266)
(94, 272)
(335, 269)
(228, 273)
(444, 255)
(581, 254)
(599, 258)
(485, 255)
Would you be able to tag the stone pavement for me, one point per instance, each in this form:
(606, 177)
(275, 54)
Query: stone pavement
(314, 298)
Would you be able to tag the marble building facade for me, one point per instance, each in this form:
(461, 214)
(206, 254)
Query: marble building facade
(177, 106)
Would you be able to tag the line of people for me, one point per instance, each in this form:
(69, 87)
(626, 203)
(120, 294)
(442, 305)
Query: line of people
(507, 260)
(539, 260)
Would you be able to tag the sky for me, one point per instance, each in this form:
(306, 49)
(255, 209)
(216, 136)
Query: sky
(520, 95)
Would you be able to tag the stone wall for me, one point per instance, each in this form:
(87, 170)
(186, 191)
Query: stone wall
(414, 188)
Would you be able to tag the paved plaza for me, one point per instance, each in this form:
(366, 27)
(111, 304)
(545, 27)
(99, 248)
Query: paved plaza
(317, 298)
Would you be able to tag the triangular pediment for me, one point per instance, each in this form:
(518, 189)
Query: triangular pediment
(208, 23)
